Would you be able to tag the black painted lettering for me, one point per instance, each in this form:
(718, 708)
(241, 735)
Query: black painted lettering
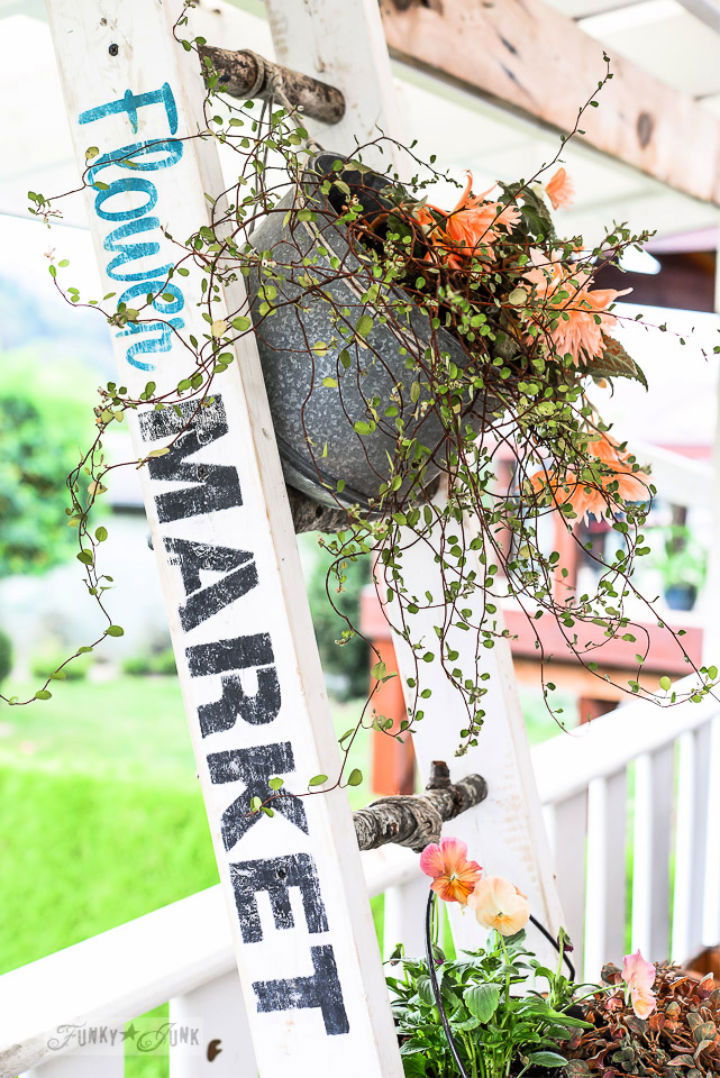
(277, 875)
(321, 990)
(254, 767)
(215, 486)
(237, 653)
(202, 602)
(259, 708)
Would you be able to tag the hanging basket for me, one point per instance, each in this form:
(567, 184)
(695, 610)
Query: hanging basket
(336, 402)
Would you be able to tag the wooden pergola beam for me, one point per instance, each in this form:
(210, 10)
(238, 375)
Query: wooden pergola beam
(708, 11)
(525, 55)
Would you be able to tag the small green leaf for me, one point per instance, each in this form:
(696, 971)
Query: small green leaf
(42, 694)
(363, 427)
(665, 683)
(101, 534)
(317, 780)
(364, 325)
(159, 452)
(115, 630)
(355, 777)
(276, 783)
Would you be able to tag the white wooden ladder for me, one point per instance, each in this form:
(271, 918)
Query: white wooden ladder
(310, 975)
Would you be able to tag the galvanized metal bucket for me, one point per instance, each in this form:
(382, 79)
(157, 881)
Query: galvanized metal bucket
(316, 396)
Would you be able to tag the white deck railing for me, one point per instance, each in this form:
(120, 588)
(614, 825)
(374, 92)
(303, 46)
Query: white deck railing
(633, 807)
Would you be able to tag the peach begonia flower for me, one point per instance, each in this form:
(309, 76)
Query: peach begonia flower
(583, 311)
(639, 977)
(500, 905)
(472, 226)
(596, 496)
(475, 223)
(583, 319)
(453, 876)
(560, 189)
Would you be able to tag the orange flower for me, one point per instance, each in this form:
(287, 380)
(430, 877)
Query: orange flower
(580, 327)
(472, 226)
(560, 189)
(593, 495)
(580, 311)
(499, 904)
(474, 223)
(454, 877)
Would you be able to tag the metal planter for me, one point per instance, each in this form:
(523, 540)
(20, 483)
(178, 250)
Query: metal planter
(315, 398)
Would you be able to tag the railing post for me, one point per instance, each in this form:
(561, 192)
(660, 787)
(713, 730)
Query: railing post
(216, 1010)
(405, 916)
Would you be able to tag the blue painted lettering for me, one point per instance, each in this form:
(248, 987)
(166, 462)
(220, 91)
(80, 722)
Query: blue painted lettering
(122, 186)
(161, 343)
(130, 157)
(128, 252)
(157, 289)
(148, 155)
(130, 103)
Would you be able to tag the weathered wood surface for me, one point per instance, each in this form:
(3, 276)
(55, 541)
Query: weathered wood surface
(527, 55)
(245, 74)
(247, 660)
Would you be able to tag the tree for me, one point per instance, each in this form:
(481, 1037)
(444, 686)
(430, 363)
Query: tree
(40, 433)
(346, 662)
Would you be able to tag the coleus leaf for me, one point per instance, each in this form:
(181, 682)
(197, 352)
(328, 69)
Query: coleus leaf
(616, 363)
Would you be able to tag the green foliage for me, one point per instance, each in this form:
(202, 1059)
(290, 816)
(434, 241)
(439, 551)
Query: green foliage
(497, 1030)
(6, 655)
(46, 662)
(39, 437)
(335, 606)
(158, 663)
(678, 557)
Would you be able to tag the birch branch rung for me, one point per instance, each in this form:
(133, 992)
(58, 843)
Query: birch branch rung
(245, 74)
(414, 820)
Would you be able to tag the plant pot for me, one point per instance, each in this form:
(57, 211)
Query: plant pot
(316, 400)
(681, 596)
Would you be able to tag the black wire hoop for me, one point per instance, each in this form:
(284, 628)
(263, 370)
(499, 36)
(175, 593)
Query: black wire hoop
(436, 987)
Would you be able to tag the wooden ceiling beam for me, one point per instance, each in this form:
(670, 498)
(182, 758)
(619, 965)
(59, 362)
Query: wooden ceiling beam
(525, 55)
(708, 11)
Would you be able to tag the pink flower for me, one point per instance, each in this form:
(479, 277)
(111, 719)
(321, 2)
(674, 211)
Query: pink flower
(639, 976)
(500, 905)
(453, 876)
(560, 189)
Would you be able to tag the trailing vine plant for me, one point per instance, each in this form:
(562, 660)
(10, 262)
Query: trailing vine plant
(465, 336)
